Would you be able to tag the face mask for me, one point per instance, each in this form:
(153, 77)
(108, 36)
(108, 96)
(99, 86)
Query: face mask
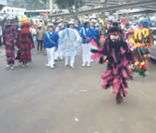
(114, 37)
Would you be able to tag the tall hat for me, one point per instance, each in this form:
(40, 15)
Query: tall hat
(24, 20)
(114, 29)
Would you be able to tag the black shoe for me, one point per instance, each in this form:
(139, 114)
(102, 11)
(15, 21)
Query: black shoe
(119, 98)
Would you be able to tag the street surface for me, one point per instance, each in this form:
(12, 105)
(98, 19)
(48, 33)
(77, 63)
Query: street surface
(40, 100)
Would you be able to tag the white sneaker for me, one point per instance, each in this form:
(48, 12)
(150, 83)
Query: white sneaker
(47, 65)
(88, 65)
(72, 66)
(83, 65)
(7, 66)
(52, 67)
(12, 67)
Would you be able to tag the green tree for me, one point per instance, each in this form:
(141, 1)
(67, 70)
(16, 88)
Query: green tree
(72, 5)
(39, 4)
(19, 3)
(29, 4)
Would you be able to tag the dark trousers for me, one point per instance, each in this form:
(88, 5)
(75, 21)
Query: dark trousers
(0, 41)
(39, 45)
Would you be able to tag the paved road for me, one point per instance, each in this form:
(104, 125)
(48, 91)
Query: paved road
(40, 100)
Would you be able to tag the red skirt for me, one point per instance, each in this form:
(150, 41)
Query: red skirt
(116, 77)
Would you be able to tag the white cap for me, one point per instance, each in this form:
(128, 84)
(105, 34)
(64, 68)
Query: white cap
(72, 22)
(93, 21)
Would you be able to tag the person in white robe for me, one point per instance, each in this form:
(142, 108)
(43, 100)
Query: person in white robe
(70, 39)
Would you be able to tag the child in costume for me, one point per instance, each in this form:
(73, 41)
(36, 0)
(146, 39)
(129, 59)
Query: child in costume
(86, 35)
(118, 57)
(51, 44)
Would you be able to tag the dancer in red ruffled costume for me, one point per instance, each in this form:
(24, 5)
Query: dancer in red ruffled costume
(118, 57)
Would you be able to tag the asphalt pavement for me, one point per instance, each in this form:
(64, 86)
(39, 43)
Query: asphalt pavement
(37, 99)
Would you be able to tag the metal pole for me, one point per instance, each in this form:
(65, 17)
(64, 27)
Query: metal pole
(51, 5)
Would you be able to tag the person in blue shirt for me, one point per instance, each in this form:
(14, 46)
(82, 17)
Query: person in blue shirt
(59, 52)
(51, 44)
(78, 25)
(95, 31)
(86, 35)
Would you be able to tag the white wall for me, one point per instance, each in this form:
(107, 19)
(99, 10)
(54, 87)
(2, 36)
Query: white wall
(13, 11)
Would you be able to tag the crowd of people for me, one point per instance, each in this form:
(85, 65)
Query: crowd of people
(119, 44)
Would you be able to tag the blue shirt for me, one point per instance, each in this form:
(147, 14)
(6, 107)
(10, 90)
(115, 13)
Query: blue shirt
(51, 39)
(95, 34)
(86, 34)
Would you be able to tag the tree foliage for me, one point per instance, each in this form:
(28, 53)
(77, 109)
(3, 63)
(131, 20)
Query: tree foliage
(29, 4)
(71, 5)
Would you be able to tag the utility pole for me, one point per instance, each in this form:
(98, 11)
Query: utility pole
(51, 2)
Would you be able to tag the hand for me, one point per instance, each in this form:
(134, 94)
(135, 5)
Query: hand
(94, 51)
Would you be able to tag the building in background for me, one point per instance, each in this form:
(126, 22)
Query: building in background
(3, 3)
(14, 11)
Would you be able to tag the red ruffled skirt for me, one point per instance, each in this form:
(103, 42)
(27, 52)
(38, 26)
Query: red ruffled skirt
(116, 77)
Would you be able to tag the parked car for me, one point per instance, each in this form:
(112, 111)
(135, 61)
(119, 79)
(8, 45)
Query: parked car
(153, 49)
(154, 32)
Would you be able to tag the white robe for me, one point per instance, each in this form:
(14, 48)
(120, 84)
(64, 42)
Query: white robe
(70, 40)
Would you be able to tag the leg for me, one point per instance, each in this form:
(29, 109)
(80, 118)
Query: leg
(66, 60)
(28, 56)
(88, 54)
(38, 45)
(10, 54)
(101, 60)
(48, 57)
(34, 39)
(60, 54)
(119, 98)
(52, 57)
(41, 45)
(72, 61)
(56, 55)
(84, 59)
